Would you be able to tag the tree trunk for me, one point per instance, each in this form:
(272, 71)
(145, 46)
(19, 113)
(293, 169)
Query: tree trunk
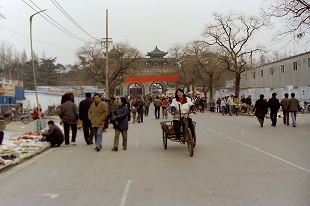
(211, 86)
(237, 84)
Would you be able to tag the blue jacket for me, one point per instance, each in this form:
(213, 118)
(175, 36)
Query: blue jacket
(121, 113)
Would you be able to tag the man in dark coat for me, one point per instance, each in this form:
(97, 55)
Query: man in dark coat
(260, 109)
(120, 118)
(69, 115)
(54, 135)
(139, 105)
(249, 104)
(274, 105)
(285, 105)
(83, 115)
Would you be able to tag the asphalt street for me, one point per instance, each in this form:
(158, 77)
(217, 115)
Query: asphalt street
(235, 162)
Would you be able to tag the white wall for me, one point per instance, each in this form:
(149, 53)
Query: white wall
(47, 99)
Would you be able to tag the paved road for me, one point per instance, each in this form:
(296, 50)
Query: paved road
(235, 163)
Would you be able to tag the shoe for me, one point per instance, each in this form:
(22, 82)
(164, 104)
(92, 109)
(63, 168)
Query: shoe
(98, 149)
(124, 148)
(67, 145)
(73, 143)
(115, 149)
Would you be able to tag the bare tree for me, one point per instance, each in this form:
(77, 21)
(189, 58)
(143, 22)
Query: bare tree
(232, 34)
(295, 14)
(121, 62)
(209, 67)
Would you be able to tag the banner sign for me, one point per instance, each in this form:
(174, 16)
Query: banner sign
(151, 78)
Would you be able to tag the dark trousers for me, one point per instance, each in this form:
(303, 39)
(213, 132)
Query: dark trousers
(157, 110)
(140, 116)
(54, 140)
(177, 126)
(273, 117)
(88, 131)
(129, 116)
(146, 111)
(286, 116)
(67, 130)
(237, 110)
(212, 109)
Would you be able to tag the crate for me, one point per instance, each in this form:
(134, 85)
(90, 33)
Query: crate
(37, 125)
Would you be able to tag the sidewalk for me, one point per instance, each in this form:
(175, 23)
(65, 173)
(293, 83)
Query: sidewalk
(21, 142)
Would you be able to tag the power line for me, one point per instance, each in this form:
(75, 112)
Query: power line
(63, 30)
(60, 8)
(35, 39)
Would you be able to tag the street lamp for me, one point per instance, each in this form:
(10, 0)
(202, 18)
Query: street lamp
(34, 73)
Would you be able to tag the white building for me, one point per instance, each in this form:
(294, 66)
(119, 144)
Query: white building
(288, 75)
(293, 70)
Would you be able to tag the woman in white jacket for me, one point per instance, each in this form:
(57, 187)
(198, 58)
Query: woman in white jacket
(181, 104)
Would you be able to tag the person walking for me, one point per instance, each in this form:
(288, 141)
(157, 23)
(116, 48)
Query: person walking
(285, 105)
(139, 105)
(202, 104)
(260, 109)
(157, 104)
(134, 111)
(147, 104)
(249, 104)
(294, 107)
(119, 116)
(274, 105)
(97, 113)
(69, 115)
(113, 106)
(83, 114)
(128, 104)
(223, 104)
(212, 105)
(237, 105)
(231, 104)
(54, 135)
(218, 103)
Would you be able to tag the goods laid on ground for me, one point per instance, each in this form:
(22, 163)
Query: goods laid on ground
(16, 149)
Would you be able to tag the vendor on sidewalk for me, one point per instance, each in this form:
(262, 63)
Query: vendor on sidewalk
(54, 135)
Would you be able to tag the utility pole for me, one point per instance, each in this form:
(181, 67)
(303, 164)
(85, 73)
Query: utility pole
(107, 41)
(34, 73)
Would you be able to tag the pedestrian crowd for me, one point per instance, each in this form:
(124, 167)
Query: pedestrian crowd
(96, 113)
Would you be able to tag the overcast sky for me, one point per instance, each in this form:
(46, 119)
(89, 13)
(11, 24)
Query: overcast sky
(144, 24)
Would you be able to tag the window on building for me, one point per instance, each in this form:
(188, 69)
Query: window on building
(295, 65)
(253, 75)
(246, 76)
(282, 68)
(308, 62)
(271, 71)
(261, 73)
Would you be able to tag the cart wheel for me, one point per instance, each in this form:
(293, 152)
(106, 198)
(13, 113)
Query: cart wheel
(7, 120)
(50, 113)
(25, 120)
(189, 140)
(164, 140)
(194, 136)
(2, 125)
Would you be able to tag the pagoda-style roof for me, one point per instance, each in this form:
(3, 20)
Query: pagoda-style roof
(113, 52)
(156, 52)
